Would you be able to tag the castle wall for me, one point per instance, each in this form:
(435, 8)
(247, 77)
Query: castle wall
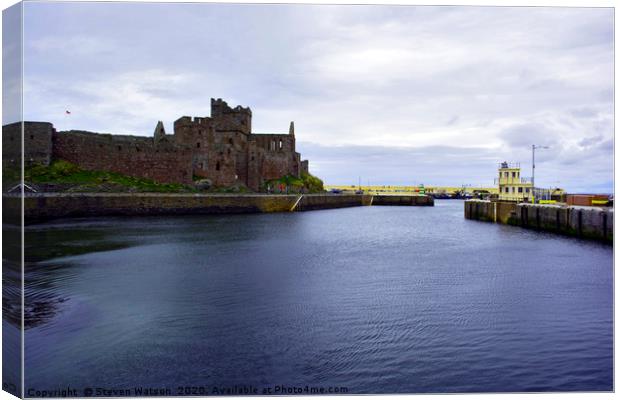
(130, 155)
(37, 143)
(277, 155)
(220, 148)
(220, 156)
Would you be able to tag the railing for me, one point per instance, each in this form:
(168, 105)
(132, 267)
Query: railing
(511, 181)
(511, 197)
(509, 165)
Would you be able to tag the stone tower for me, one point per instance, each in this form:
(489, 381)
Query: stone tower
(159, 132)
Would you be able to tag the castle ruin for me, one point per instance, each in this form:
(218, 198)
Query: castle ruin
(221, 148)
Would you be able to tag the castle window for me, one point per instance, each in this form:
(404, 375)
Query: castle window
(119, 148)
(280, 145)
(217, 166)
(230, 141)
(228, 151)
(31, 136)
(198, 145)
(137, 149)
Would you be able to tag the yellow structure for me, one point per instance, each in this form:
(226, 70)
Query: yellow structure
(421, 189)
(511, 185)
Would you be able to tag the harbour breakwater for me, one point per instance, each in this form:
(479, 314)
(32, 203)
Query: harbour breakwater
(43, 206)
(584, 222)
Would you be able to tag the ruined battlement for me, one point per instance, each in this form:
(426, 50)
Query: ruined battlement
(219, 107)
(231, 119)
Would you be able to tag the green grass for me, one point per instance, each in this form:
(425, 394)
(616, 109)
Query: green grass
(310, 183)
(63, 172)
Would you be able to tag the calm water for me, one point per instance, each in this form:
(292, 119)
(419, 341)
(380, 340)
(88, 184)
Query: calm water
(375, 299)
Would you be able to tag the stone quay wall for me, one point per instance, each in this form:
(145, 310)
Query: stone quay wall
(326, 201)
(584, 222)
(44, 206)
(392, 200)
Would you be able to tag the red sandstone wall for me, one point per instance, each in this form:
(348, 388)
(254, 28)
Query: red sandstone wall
(130, 155)
(224, 151)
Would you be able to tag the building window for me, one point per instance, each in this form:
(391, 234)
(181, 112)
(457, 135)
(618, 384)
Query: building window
(507, 190)
(119, 148)
(513, 189)
(520, 189)
(31, 137)
(514, 174)
(280, 144)
(198, 145)
(527, 190)
(230, 141)
(217, 166)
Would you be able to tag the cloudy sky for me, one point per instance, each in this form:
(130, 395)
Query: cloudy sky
(391, 94)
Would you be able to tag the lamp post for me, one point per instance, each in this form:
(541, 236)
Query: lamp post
(534, 147)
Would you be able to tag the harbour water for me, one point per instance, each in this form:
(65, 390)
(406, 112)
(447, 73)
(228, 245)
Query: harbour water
(374, 299)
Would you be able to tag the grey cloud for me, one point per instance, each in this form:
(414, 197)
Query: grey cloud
(524, 135)
(589, 141)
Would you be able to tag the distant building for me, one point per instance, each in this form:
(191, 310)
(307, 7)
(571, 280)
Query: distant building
(512, 186)
(221, 148)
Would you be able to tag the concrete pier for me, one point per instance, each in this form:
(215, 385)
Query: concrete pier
(584, 222)
(42, 206)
